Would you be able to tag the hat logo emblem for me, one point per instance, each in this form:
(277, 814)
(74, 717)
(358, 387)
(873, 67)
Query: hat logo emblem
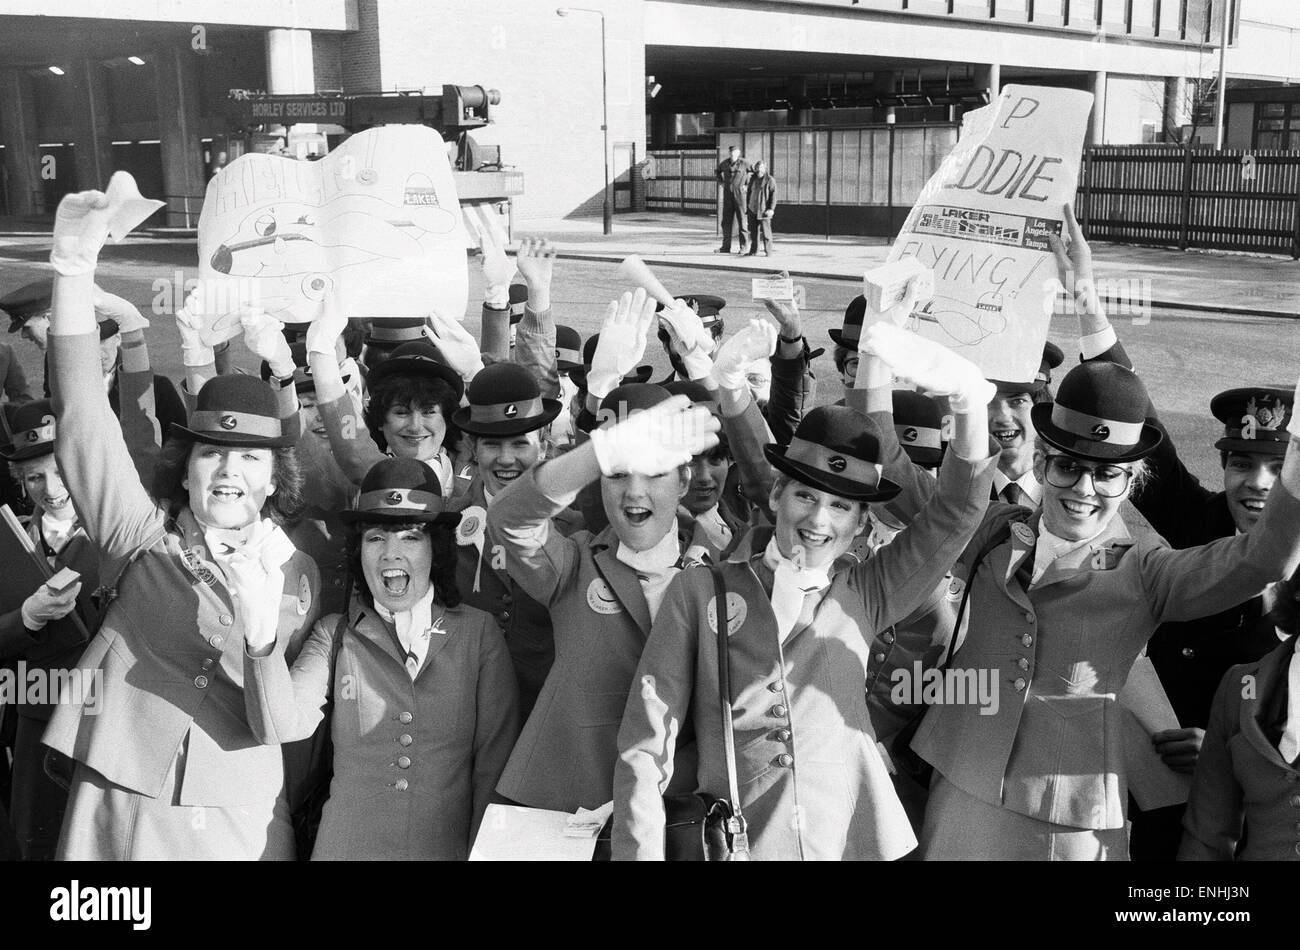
(910, 434)
(1268, 414)
(511, 410)
(393, 498)
(837, 463)
(1100, 432)
(228, 422)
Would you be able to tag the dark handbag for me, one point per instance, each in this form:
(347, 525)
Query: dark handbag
(905, 760)
(699, 826)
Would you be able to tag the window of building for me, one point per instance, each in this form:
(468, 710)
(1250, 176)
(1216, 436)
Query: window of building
(1277, 125)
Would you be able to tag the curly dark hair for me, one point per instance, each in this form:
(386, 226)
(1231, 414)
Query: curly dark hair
(442, 569)
(403, 390)
(284, 507)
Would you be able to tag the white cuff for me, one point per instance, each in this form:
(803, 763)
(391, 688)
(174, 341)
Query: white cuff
(1095, 344)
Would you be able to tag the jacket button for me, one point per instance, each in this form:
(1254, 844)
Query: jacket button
(888, 636)
(504, 616)
(507, 599)
(1022, 663)
(785, 760)
(201, 681)
(778, 710)
(776, 687)
(880, 658)
(783, 735)
(216, 640)
(1027, 639)
(1029, 617)
(225, 620)
(1189, 652)
(405, 739)
(404, 718)
(403, 762)
(1020, 683)
(401, 785)
(207, 663)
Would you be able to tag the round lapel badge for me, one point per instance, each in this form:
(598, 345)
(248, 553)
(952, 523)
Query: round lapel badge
(304, 595)
(601, 599)
(737, 611)
(955, 587)
(1023, 533)
(472, 523)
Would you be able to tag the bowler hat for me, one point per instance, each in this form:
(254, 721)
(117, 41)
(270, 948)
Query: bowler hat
(568, 349)
(239, 410)
(518, 296)
(1255, 419)
(1099, 415)
(849, 334)
(303, 381)
(835, 449)
(420, 358)
(400, 490)
(918, 421)
(31, 431)
(1052, 358)
(624, 400)
(708, 307)
(504, 399)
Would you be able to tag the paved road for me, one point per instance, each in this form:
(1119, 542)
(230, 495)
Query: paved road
(1185, 358)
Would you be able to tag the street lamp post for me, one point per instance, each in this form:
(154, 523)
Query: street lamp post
(607, 208)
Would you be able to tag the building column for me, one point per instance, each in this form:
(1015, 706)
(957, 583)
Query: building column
(178, 120)
(989, 78)
(93, 151)
(290, 68)
(1097, 125)
(1176, 112)
(882, 86)
(21, 174)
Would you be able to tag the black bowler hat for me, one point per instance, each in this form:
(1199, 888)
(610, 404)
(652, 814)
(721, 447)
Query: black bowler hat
(303, 381)
(401, 490)
(624, 400)
(1099, 415)
(918, 421)
(420, 358)
(27, 301)
(579, 375)
(1255, 419)
(849, 334)
(31, 431)
(693, 390)
(504, 399)
(835, 449)
(1052, 358)
(390, 334)
(518, 301)
(568, 349)
(239, 410)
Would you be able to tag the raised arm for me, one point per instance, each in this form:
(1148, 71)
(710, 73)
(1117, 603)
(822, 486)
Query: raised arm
(285, 705)
(353, 448)
(535, 335)
(794, 389)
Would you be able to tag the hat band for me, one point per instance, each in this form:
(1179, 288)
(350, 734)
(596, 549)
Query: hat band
(506, 411)
(390, 334)
(834, 463)
(1095, 428)
(411, 499)
(41, 435)
(571, 356)
(919, 437)
(1257, 434)
(216, 421)
(850, 334)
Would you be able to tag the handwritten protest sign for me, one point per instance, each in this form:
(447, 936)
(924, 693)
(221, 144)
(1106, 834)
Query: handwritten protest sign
(982, 221)
(376, 222)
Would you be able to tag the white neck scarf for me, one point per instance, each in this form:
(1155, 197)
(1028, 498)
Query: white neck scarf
(413, 629)
(56, 533)
(655, 568)
(790, 586)
(1050, 547)
(714, 527)
(1290, 744)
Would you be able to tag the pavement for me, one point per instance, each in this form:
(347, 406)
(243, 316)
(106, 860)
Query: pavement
(1208, 281)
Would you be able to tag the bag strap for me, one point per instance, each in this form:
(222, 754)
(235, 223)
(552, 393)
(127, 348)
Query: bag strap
(736, 825)
(998, 537)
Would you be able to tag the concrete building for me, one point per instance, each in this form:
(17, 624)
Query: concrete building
(142, 84)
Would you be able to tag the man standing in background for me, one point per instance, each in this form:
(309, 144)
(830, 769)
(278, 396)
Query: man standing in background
(733, 176)
(760, 203)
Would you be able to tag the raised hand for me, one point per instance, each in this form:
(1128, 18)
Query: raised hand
(457, 345)
(622, 341)
(536, 259)
(655, 440)
(80, 230)
(192, 323)
(110, 306)
(324, 331)
(932, 367)
(256, 574)
(753, 342)
(264, 339)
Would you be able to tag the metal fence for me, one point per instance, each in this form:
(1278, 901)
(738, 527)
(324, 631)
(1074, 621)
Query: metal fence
(1231, 200)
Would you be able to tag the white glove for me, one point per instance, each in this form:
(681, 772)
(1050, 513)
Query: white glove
(324, 331)
(256, 573)
(458, 346)
(497, 271)
(622, 341)
(191, 321)
(755, 342)
(656, 440)
(112, 307)
(86, 219)
(263, 338)
(933, 368)
(45, 605)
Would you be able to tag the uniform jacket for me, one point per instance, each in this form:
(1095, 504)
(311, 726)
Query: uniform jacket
(415, 761)
(12, 377)
(812, 783)
(1243, 787)
(1063, 649)
(170, 650)
(733, 177)
(566, 753)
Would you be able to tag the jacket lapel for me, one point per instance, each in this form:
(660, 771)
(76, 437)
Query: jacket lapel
(1265, 678)
(198, 560)
(368, 625)
(1006, 559)
(1081, 559)
(621, 579)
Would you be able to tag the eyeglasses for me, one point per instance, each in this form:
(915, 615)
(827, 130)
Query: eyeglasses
(1109, 481)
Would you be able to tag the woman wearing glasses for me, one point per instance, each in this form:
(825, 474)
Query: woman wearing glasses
(1059, 607)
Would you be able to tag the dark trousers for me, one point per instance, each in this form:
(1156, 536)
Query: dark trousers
(732, 209)
(760, 228)
(38, 802)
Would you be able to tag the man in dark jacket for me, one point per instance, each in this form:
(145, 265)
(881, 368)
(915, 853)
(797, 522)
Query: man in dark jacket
(760, 203)
(733, 175)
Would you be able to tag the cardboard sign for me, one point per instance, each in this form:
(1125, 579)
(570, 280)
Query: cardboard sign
(772, 288)
(981, 224)
(376, 222)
